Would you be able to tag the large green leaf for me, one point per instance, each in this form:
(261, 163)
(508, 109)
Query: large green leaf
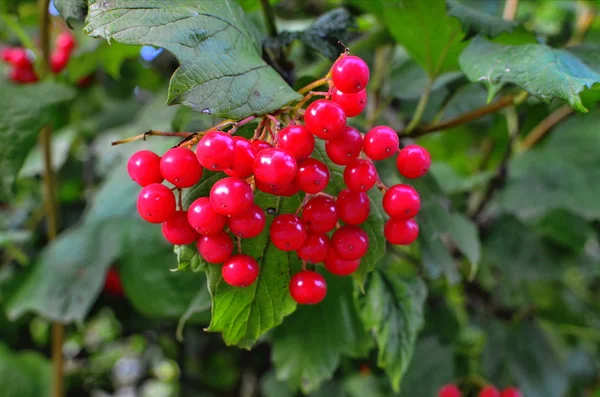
(221, 72)
(24, 374)
(25, 109)
(392, 309)
(478, 21)
(537, 68)
(562, 174)
(308, 346)
(327, 31)
(243, 315)
(374, 224)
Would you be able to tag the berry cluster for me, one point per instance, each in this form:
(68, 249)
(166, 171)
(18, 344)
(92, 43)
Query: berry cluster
(23, 72)
(487, 391)
(279, 162)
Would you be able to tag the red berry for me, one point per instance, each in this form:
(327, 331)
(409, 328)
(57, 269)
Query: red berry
(278, 190)
(511, 392)
(315, 248)
(59, 60)
(489, 391)
(203, 218)
(249, 224)
(275, 167)
(350, 242)
(216, 248)
(177, 229)
(312, 176)
(259, 145)
(231, 196)
(344, 148)
(353, 104)
(381, 143)
(319, 214)
(449, 391)
(401, 202)
(288, 233)
(112, 284)
(326, 119)
(243, 158)
(350, 74)
(360, 175)
(65, 42)
(401, 232)
(413, 161)
(240, 270)
(23, 75)
(156, 203)
(180, 166)
(17, 57)
(340, 267)
(216, 151)
(7, 54)
(297, 140)
(308, 287)
(353, 207)
(144, 167)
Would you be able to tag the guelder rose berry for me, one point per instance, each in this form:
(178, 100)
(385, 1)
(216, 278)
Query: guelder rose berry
(216, 248)
(350, 74)
(401, 202)
(345, 147)
(308, 287)
(353, 207)
(511, 392)
(381, 143)
(144, 168)
(340, 267)
(401, 232)
(248, 224)
(413, 161)
(288, 233)
(243, 158)
(360, 175)
(312, 176)
(449, 391)
(275, 167)
(297, 140)
(216, 151)
(326, 119)
(231, 196)
(204, 219)
(180, 166)
(489, 391)
(278, 190)
(156, 203)
(315, 248)
(350, 242)
(240, 270)
(319, 214)
(177, 229)
(352, 104)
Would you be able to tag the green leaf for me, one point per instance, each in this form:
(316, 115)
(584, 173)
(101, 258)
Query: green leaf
(479, 22)
(392, 309)
(308, 346)
(188, 256)
(562, 174)
(109, 58)
(71, 10)
(327, 31)
(200, 304)
(563, 74)
(24, 374)
(221, 69)
(373, 225)
(61, 144)
(556, 222)
(243, 315)
(25, 110)
(430, 36)
(408, 81)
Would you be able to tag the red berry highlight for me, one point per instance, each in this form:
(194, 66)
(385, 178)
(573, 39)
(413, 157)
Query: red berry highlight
(288, 233)
(381, 143)
(156, 203)
(319, 214)
(353, 207)
(326, 119)
(240, 271)
(144, 168)
(352, 104)
(340, 267)
(401, 232)
(489, 391)
(511, 392)
(216, 248)
(249, 224)
(308, 287)
(243, 158)
(297, 140)
(413, 161)
(401, 202)
(449, 391)
(216, 151)
(59, 60)
(204, 219)
(65, 42)
(350, 74)
(177, 229)
(360, 175)
(350, 242)
(180, 166)
(275, 167)
(312, 176)
(344, 148)
(231, 196)
(278, 190)
(315, 248)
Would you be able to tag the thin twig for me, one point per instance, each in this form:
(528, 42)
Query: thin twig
(313, 85)
(421, 106)
(539, 131)
(152, 133)
(585, 17)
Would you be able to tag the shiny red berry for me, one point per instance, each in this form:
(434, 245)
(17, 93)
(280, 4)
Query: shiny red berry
(231, 196)
(180, 166)
(65, 42)
(249, 224)
(350, 74)
(259, 145)
(449, 391)
(278, 190)
(401, 202)
(511, 392)
(350, 242)
(243, 158)
(319, 214)
(338, 266)
(17, 57)
(59, 60)
(353, 207)
(353, 104)
(288, 233)
(177, 229)
(240, 271)
(381, 143)
(144, 168)
(308, 287)
(216, 151)
(360, 175)
(413, 161)
(315, 248)
(112, 284)
(489, 391)
(297, 140)
(344, 148)
(156, 203)
(216, 248)
(312, 176)
(204, 219)
(401, 232)
(326, 119)
(275, 167)
(23, 75)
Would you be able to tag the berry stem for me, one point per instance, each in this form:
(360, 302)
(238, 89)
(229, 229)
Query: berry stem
(239, 244)
(540, 130)
(179, 199)
(240, 123)
(306, 98)
(313, 85)
(420, 110)
(381, 186)
(152, 133)
(304, 265)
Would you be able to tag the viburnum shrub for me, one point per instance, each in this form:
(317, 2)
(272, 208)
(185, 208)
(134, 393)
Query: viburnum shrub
(452, 390)
(325, 229)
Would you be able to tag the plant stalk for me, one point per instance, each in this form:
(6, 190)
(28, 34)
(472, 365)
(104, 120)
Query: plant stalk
(420, 110)
(269, 15)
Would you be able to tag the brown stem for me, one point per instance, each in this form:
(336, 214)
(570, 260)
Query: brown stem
(152, 133)
(540, 130)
